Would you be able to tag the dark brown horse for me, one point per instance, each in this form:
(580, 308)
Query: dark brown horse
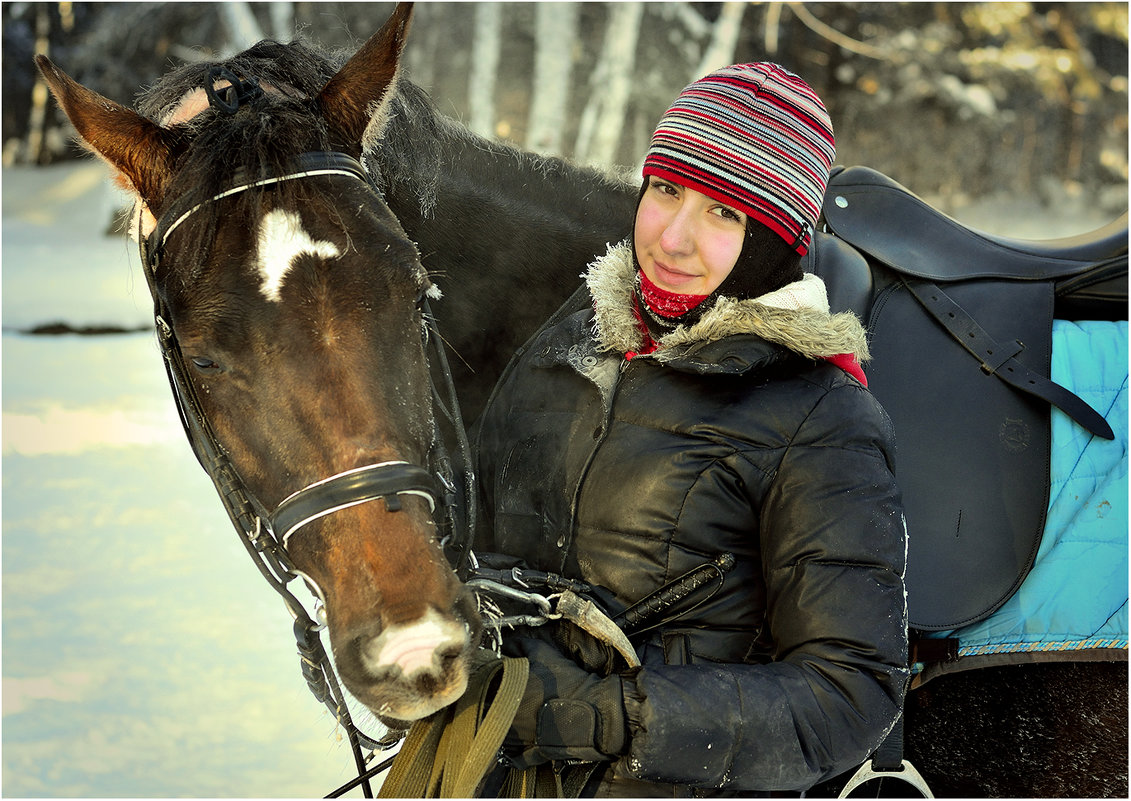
(504, 234)
(294, 297)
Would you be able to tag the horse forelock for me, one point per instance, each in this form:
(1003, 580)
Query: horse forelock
(296, 64)
(289, 73)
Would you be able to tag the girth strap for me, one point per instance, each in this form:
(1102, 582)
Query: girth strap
(998, 359)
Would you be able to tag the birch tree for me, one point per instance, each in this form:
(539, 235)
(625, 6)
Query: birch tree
(555, 35)
(724, 39)
(610, 87)
(282, 21)
(243, 27)
(485, 47)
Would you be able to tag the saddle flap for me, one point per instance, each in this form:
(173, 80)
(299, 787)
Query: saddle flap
(846, 273)
(973, 453)
(876, 214)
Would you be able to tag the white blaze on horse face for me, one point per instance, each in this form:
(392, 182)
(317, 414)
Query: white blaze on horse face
(282, 239)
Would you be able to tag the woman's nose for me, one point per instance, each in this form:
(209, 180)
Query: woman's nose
(678, 237)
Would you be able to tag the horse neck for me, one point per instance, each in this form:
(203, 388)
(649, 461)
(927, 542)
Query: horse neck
(504, 234)
(462, 193)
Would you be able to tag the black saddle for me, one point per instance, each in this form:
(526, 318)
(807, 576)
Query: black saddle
(960, 328)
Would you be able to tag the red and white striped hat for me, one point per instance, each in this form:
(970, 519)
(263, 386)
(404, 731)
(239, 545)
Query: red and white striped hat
(753, 136)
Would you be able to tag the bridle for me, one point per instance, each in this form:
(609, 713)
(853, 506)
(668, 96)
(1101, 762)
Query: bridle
(265, 534)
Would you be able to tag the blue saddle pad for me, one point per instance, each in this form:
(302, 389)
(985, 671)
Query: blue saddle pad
(1075, 596)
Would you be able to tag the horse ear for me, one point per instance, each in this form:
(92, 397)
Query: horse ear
(137, 147)
(356, 101)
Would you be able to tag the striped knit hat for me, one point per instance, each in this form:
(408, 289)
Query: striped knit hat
(753, 136)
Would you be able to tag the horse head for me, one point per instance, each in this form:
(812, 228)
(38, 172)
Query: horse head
(294, 296)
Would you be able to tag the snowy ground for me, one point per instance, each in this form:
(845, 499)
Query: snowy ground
(142, 653)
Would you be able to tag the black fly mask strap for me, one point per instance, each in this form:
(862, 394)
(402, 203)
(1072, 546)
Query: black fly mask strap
(265, 533)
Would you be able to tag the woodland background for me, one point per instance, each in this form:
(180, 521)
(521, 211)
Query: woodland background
(143, 656)
(955, 100)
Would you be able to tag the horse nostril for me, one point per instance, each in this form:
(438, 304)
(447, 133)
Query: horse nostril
(425, 646)
(448, 658)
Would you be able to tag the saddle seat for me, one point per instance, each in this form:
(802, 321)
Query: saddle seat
(893, 225)
(880, 216)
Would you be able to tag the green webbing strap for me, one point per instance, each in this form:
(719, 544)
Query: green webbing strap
(547, 781)
(447, 754)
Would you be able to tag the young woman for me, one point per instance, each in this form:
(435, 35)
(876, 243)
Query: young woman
(702, 406)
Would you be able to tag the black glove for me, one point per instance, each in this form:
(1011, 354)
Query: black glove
(567, 712)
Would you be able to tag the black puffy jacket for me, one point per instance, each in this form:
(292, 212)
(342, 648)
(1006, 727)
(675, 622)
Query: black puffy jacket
(735, 437)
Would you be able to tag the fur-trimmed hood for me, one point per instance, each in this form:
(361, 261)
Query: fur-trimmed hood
(797, 316)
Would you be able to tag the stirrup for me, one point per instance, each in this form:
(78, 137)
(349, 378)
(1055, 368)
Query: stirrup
(905, 773)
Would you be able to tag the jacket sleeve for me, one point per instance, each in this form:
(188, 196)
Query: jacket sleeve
(834, 549)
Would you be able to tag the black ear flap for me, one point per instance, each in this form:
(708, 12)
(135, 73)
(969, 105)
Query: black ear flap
(766, 262)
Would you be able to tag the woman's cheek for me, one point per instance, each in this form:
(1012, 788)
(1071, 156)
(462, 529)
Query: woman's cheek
(719, 254)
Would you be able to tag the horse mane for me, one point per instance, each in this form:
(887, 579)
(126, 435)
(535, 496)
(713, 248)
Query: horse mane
(419, 143)
(413, 155)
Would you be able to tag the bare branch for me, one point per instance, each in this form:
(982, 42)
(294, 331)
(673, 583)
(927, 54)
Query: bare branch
(836, 37)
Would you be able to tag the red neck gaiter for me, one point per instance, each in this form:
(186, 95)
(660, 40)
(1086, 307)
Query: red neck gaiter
(667, 306)
(665, 303)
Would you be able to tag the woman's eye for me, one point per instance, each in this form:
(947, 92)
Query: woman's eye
(664, 188)
(730, 214)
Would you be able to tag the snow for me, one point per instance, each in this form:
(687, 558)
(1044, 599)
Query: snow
(143, 653)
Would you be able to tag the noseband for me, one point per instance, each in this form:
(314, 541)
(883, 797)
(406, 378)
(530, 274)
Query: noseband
(266, 534)
(386, 481)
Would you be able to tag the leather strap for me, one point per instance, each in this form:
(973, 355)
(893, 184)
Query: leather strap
(999, 360)
(387, 481)
(889, 756)
(447, 754)
(888, 763)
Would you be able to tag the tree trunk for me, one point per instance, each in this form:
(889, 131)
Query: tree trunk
(610, 87)
(724, 39)
(243, 27)
(282, 21)
(556, 33)
(485, 47)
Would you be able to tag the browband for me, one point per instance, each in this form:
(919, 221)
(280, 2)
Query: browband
(305, 165)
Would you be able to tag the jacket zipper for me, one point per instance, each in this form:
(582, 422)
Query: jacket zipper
(592, 454)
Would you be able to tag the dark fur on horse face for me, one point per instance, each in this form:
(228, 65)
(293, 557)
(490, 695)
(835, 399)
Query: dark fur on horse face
(294, 305)
(328, 375)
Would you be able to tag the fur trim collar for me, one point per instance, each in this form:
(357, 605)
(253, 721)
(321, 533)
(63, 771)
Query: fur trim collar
(796, 316)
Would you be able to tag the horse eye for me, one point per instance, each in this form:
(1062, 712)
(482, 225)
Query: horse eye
(204, 364)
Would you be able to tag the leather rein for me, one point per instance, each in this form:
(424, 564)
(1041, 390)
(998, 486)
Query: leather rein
(265, 534)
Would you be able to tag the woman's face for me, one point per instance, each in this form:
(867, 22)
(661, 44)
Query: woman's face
(686, 242)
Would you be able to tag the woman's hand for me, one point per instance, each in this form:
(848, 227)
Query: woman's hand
(567, 712)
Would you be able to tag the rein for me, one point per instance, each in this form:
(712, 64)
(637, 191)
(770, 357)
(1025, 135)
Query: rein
(264, 533)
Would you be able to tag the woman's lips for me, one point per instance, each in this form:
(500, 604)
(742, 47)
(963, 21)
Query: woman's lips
(672, 277)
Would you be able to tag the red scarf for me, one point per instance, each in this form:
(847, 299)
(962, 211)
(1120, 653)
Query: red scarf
(665, 303)
(848, 363)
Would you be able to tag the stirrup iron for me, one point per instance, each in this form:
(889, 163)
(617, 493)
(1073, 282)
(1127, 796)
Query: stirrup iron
(905, 773)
